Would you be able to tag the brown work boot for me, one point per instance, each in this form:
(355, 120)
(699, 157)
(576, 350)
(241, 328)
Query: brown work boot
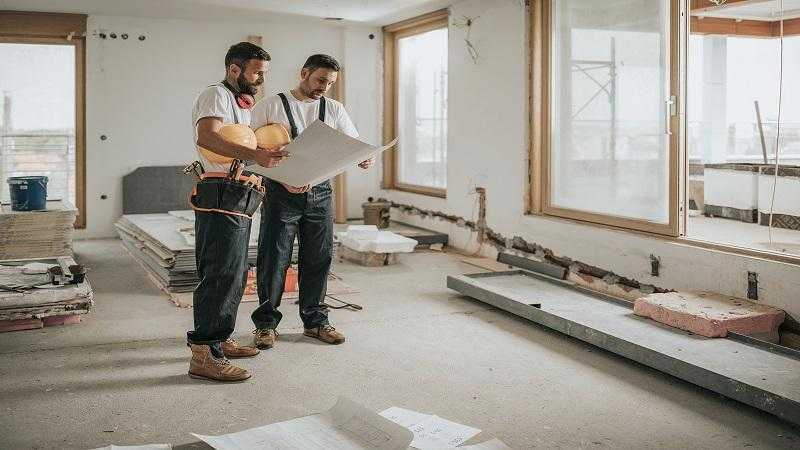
(265, 339)
(232, 349)
(325, 333)
(205, 366)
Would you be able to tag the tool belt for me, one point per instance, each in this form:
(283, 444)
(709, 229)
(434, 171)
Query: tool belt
(218, 192)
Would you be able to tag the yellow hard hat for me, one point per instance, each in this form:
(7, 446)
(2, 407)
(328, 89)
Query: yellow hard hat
(272, 136)
(237, 133)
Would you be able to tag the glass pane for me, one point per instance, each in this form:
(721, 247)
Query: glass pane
(37, 116)
(610, 81)
(730, 187)
(422, 109)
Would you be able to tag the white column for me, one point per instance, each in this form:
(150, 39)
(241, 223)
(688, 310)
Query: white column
(715, 92)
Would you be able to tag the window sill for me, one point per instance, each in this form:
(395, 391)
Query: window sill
(681, 240)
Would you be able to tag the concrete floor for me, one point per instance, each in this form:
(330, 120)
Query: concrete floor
(120, 376)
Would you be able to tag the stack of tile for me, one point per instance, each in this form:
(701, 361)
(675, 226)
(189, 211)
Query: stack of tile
(37, 234)
(28, 300)
(163, 244)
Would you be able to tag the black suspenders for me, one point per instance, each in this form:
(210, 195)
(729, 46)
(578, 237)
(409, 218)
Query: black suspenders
(289, 115)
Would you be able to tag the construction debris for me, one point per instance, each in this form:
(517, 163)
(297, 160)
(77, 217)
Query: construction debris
(711, 315)
(37, 234)
(368, 246)
(163, 244)
(33, 299)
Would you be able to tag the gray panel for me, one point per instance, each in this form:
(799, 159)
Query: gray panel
(159, 189)
(533, 265)
(748, 373)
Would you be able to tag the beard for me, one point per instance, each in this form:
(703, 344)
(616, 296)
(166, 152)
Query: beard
(245, 87)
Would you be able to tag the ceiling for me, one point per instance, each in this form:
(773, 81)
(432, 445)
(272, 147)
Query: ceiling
(765, 10)
(373, 12)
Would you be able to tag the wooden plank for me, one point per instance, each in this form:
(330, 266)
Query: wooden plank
(70, 319)
(41, 24)
(791, 27)
(709, 5)
(20, 324)
(730, 27)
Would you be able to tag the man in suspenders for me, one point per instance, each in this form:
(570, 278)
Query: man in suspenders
(222, 210)
(302, 211)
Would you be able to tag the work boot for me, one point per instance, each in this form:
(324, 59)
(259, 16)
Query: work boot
(232, 349)
(205, 366)
(265, 338)
(325, 333)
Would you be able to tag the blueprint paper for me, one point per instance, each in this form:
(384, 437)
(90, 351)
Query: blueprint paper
(318, 154)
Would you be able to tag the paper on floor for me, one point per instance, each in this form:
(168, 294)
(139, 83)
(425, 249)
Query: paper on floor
(347, 426)
(318, 154)
(430, 432)
(137, 447)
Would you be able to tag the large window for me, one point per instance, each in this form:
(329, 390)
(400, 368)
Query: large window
(606, 131)
(416, 104)
(42, 103)
(663, 115)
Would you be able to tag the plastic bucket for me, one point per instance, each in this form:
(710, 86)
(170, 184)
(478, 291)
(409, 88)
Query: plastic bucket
(28, 193)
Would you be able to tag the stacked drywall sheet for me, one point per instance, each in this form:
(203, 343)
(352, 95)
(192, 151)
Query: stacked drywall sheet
(368, 238)
(163, 244)
(37, 234)
(29, 294)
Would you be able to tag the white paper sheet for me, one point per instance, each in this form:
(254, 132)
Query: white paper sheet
(137, 447)
(347, 426)
(492, 444)
(430, 432)
(319, 153)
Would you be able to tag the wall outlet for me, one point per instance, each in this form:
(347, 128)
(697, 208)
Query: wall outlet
(752, 286)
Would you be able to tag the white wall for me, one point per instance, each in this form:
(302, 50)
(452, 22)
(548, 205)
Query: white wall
(363, 77)
(487, 146)
(140, 93)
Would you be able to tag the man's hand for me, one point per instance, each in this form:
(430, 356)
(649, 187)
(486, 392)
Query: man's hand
(367, 164)
(297, 190)
(270, 158)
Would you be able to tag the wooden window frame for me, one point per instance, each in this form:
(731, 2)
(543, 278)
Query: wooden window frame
(539, 43)
(391, 34)
(539, 198)
(58, 29)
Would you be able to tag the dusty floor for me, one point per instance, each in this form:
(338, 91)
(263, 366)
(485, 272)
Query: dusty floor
(120, 376)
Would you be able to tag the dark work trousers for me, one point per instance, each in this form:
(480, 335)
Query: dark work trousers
(221, 242)
(308, 216)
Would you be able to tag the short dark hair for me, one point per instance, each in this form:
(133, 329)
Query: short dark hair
(320, 61)
(242, 52)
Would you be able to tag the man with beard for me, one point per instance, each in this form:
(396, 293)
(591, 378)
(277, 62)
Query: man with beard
(302, 211)
(222, 224)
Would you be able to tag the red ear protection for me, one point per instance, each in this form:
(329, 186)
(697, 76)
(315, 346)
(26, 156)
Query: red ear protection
(245, 101)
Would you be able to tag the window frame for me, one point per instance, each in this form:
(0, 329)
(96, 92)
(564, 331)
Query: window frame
(539, 192)
(391, 34)
(538, 31)
(58, 29)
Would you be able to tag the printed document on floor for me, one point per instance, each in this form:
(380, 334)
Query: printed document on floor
(318, 154)
(430, 432)
(137, 447)
(347, 426)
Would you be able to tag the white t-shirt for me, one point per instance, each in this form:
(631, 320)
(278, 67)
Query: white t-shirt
(270, 110)
(217, 101)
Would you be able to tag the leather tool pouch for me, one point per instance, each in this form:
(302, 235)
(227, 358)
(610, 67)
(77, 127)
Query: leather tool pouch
(226, 196)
